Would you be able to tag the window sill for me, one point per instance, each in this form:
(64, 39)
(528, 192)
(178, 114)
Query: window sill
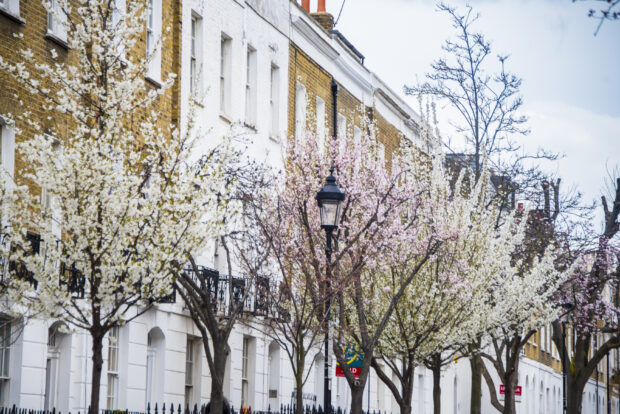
(11, 15)
(154, 82)
(225, 118)
(60, 42)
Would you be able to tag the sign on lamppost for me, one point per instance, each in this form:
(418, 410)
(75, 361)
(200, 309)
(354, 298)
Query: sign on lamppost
(354, 359)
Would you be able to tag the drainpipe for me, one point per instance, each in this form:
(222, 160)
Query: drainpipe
(335, 107)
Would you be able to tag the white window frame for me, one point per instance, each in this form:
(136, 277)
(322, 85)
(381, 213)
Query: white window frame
(342, 132)
(300, 111)
(7, 147)
(48, 202)
(245, 386)
(195, 58)
(113, 355)
(189, 371)
(321, 128)
(153, 40)
(274, 101)
(250, 87)
(225, 73)
(119, 12)
(56, 22)
(381, 152)
(10, 6)
(5, 359)
(357, 135)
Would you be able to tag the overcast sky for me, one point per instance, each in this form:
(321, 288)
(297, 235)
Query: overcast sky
(571, 79)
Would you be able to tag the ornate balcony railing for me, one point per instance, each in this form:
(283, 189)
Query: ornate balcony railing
(252, 293)
(73, 279)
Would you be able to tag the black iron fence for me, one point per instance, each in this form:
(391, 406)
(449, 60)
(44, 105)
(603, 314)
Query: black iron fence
(179, 409)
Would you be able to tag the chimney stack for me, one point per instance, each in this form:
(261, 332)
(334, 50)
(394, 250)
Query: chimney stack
(323, 18)
(306, 5)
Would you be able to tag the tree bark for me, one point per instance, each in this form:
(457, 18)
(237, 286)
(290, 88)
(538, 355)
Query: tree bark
(407, 390)
(476, 384)
(97, 339)
(357, 399)
(220, 356)
(299, 402)
(299, 380)
(509, 396)
(436, 384)
(574, 396)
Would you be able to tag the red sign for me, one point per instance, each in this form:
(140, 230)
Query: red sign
(354, 370)
(502, 392)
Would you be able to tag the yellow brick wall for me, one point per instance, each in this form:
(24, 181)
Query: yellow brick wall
(33, 32)
(318, 83)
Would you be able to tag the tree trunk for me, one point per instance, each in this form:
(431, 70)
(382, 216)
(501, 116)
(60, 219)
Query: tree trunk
(97, 339)
(436, 384)
(407, 390)
(299, 379)
(509, 398)
(220, 356)
(476, 384)
(299, 402)
(357, 399)
(574, 396)
(405, 408)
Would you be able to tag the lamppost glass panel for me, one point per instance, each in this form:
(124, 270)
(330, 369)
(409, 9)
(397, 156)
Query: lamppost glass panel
(330, 213)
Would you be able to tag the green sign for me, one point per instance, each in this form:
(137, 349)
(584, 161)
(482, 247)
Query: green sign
(354, 356)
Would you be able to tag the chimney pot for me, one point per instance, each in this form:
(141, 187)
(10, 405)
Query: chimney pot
(306, 5)
(321, 7)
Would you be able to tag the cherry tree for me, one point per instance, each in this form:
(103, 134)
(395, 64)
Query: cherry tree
(293, 316)
(434, 320)
(592, 290)
(386, 219)
(218, 301)
(487, 102)
(116, 196)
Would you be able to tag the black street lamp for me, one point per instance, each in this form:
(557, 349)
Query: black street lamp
(330, 204)
(567, 307)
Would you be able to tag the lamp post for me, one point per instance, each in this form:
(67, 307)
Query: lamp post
(567, 306)
(330, 200)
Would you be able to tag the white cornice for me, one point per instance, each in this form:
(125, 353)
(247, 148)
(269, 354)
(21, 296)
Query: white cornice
(354, 75)
(313, 37)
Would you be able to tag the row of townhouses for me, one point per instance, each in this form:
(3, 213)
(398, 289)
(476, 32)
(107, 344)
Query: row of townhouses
(269, 68)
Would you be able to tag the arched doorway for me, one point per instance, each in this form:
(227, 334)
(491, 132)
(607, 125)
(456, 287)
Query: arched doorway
(155, 350)
(319, 378)
(274, 376)
(57, 368)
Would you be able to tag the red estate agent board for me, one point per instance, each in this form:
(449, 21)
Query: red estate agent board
(502, 392)
(354, 361)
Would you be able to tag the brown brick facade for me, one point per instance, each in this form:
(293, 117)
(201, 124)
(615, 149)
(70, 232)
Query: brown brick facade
(31, 34)
(318, 83)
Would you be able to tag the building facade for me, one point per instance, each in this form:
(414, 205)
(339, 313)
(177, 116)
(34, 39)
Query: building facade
(264, 70)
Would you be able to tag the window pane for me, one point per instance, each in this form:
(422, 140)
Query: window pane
(112, 387)
(189, 362)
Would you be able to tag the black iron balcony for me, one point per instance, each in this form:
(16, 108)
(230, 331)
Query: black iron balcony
(73, 279)
(252, 293)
